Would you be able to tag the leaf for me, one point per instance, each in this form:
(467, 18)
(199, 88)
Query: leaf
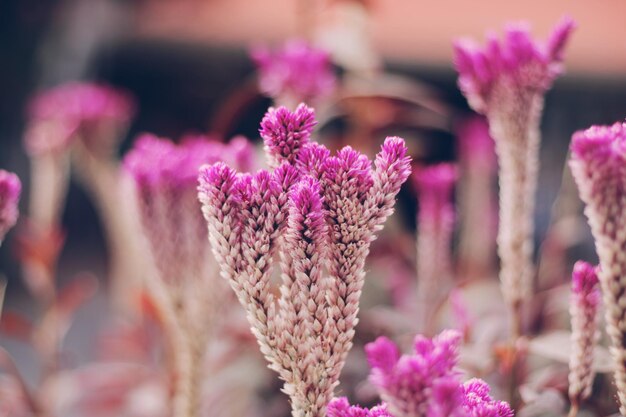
(556, 346)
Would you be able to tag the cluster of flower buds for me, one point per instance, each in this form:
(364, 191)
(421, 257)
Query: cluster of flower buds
(319, 213)
(506, 81)
(598, 163)
(10, 189)
(296, 72)
(428, 383)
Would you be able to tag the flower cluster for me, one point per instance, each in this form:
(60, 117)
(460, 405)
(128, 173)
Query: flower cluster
(435, 186)
(598, 163)
(10, 189)
(297, 72)
(428, 383)
(506, 81)
(320, 214)
(584, 306)
(89, 111)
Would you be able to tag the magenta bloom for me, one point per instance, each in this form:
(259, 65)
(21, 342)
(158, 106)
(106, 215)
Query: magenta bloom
(427, 382)
(285, 132)
(95, 112)
(435, 223)
(598, 164)
(340, 407)
(517, 63)
(327, 210)
(10, 189)
(584, 305)
(296, 72)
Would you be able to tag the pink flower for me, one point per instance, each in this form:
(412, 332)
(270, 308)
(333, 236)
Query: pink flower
(584, 305)
(297, 72)
(285, 132)
(427, 383)
(10, 189)
(317, 212)
(340, 407)
(598, 164)
(506, 81)
(96, 112)
(517, 63)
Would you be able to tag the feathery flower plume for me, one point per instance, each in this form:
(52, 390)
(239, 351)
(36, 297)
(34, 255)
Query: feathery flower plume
(318, 212)
(186, 284)
(427, 383)
(435, 222)
(477, 206)
(584, 304)
(506, 81)
(285, 132)
(598, 164)
(298, 72)
(10, 189)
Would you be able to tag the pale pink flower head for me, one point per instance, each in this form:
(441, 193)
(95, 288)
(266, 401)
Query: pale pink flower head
(585, 284)
(517, 62)
(340, 407)
(435, 187)
(297, 71)
(96, 112)
(10, 190)
(285, 132)
(165, 177)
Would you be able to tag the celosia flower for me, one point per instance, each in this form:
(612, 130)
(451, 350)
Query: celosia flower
(10, 189)
(296, 72)
(318, 211)
(96, 113)
(435, 222)
(427, 383)
(598, 163)
(506, 81)
(584, 305)
(477, 206)
(340, 407)
(186, 285)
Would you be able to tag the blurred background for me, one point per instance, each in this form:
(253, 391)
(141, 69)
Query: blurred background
(187, 64)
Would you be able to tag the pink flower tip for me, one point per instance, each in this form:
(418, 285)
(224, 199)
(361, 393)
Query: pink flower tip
(475, 143)
(585, 282)
(436, 179)
(297, 70)
(285, 132)
(340, 407)
(478, 402)
(382, 354)
(217, 176)
(600, 143)
(10, 190)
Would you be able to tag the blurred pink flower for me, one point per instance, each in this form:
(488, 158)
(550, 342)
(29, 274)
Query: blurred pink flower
(598, 164)
(95, 112)
(10, 190)
(296, 72)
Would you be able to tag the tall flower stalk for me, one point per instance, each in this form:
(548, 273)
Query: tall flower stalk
(319, 213)
(435, 222)
(506, 81)
(598, 164)
(584, 305)
(185, 282)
